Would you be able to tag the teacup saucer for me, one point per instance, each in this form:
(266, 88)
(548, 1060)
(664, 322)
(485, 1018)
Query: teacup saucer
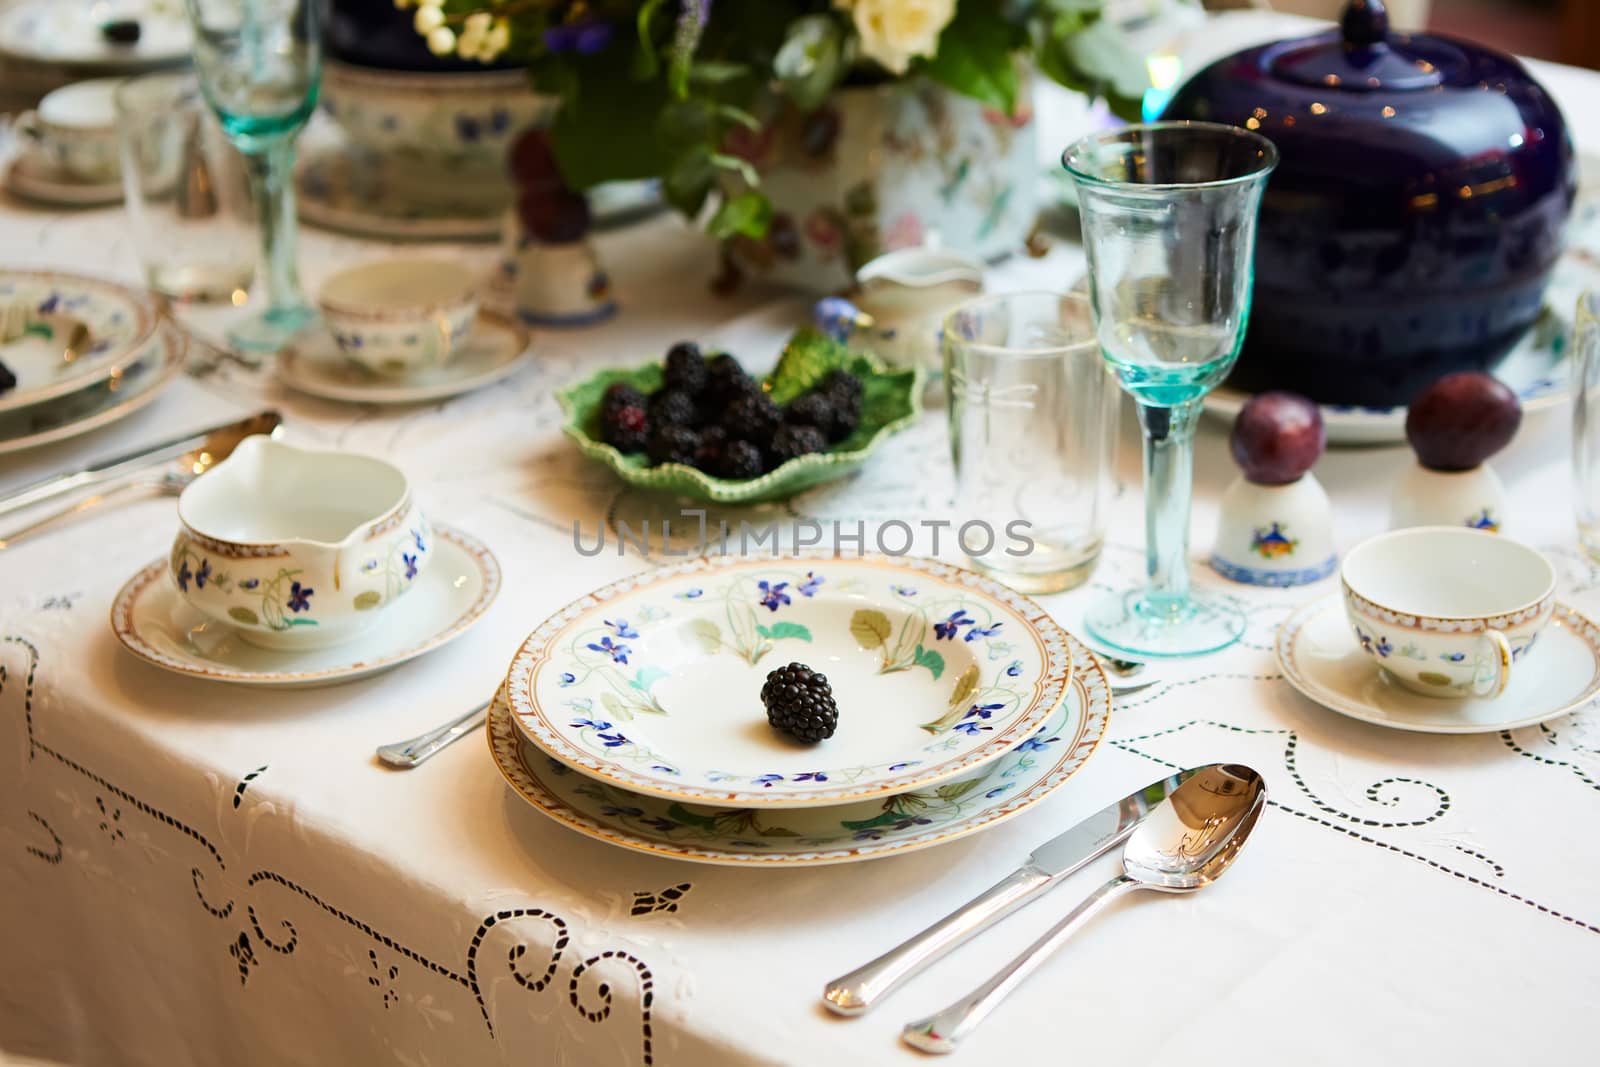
(34, 179)
(313, 364)
(1321, 659)
(156, 624)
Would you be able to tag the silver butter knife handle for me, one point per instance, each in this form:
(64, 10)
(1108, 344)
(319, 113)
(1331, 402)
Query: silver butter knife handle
(943, 1032)
(857, 991)
(407, 754)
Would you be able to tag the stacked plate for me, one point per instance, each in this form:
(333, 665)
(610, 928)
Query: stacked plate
(83, 354)
(634, 714)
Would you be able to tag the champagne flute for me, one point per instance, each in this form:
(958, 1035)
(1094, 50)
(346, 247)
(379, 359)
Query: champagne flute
(1169, 217)
(259, 63)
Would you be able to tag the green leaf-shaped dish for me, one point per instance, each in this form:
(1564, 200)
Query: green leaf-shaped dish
(890, 400)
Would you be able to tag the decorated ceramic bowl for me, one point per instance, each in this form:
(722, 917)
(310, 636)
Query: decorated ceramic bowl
(891, 400)
(298, 549)
(1415, 215)
(453, 119)
(397, 316)
(654, 683)
(1447, 611)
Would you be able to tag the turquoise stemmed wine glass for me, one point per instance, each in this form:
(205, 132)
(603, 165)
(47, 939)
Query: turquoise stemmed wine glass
(1169, 219)
(259, 63)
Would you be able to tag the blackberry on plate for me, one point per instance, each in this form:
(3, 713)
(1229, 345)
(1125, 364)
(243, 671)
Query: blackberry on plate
(621, 394)
(815, 409)
(845, 421)
(727, 381)
(752, 418)
(673, 444)
(625, 427)
(685, 368)
(741, 460)
(673, 407)
(792, 442)
(708, 457)
(799, 702)
(841, 385)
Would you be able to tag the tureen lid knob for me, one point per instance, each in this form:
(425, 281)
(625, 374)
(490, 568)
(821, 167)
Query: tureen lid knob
(1364, 23)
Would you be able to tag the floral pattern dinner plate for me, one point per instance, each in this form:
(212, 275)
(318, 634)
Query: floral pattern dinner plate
(61, 332)
(653, 683)
(800, 837)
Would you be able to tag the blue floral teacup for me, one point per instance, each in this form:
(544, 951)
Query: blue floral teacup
(399, 316)
(1446, 611)
(298, 549)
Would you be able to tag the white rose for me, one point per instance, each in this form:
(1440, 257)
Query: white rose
(894, 31)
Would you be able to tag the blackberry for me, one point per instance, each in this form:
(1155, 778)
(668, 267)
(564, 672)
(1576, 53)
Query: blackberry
(673, 407)
(813, 409)
(752, 418)
(708, 457)
(727, 381)
(741, 460)
(846, 417)
(685, 368)
(673, 444)
(842, 386)
(792, 442)
(799, 702)
(8, 381)
(621, 394)
(625, 427)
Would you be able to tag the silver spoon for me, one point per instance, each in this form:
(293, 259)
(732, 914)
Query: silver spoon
(1185, 843)
(1123, 674)
(407, 754)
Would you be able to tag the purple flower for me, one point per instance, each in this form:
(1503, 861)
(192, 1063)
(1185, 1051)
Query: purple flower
(416, 535)
(568, 678)
(49, 303)
(903, 766)
(773, 595)
(499, 119)
(595, 724)
(997, 790)
(468, 128)
(613, 740)
(584, 36)
(903, 590)
(970, 727)
(1036, 744)
(811, 776)
(411, 564)
(766, 780)
(810, 585)
(300, 596)
(203, 573)
(656, 822)
(690, 594)
(618, 652)
(982, 711)
(1014, 668)
(184, 575)
(622, 628)
(983, 631)
(249, 583)
(951, 626)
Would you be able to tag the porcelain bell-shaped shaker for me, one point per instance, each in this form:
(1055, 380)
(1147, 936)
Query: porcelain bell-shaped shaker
(1276, 526)
(1454, 427)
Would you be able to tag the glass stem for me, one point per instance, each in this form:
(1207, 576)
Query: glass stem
(1168, 482)
(271, 171)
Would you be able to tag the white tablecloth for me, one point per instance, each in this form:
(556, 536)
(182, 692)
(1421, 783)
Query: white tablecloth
(199, 874)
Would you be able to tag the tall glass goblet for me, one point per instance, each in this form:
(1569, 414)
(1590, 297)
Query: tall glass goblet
(259, 63)
(1169, 220)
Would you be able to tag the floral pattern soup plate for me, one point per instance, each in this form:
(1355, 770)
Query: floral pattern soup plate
(805, 837)
(653, 683)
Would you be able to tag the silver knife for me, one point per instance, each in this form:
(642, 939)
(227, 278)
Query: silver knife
(1049, 864)
(131, 462)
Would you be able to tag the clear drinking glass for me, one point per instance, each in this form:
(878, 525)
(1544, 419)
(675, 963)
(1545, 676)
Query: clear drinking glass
(1586, 421)
(1169, 220)
(260, 62)
(1033, 432)
(187, 196)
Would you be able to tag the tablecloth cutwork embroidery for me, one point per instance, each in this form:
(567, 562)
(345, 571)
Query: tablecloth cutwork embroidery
(242, 948)
(244, 783)
(646, 903)
(1505, 735)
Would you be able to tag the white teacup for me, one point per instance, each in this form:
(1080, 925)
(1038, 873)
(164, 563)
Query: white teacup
(74, 128)
(298, 549)
(1446, 611)
(398, 316)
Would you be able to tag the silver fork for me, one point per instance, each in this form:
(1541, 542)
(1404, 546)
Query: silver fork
(407, 754)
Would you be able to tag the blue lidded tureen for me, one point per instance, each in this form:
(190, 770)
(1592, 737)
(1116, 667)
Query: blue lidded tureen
(1416, 214)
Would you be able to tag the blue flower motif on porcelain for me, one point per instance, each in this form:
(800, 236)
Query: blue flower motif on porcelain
(269, 543)
(685, 690)
(396, 317)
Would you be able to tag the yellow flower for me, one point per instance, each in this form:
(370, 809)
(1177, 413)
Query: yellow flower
(892, 32)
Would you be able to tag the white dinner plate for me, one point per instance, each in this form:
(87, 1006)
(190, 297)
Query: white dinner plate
(117, 325)
(68, 32)
(653, 683)
(123, 391)
(156, 624)
(496, 348)
(804, 837)
(1321, 659)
